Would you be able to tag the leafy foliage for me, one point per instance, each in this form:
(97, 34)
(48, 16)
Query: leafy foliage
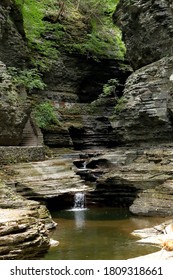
(30, 78)
(104, 39)
(101, 40)
(109, 88)
(45, 115)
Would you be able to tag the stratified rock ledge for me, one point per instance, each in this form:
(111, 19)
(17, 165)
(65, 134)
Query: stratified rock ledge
(156, 236)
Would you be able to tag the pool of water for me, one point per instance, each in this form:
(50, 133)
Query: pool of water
(98, 234)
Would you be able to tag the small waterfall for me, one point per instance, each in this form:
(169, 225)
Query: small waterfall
(84, 165)
(79, 201)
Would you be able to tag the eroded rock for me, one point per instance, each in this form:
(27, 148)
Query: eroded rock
(146, 111)
(24, 226)
(147, 29)
(139, 178)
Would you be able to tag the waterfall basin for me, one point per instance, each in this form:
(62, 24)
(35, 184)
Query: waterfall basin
(99, 234)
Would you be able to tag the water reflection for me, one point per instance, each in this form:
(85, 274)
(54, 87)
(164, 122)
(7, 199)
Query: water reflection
(98, 234)
(79, 217)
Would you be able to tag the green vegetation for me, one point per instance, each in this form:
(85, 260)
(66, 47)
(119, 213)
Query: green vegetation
(109, 88)
(35, 27)
(31, 79)
(103, 39)
(120, 106)
(45, 115)
(74, 26)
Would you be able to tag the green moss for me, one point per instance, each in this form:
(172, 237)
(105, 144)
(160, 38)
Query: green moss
(33, 12)
(103, 39)
(82, 27)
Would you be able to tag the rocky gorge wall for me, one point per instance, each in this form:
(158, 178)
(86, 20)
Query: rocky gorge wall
(146, 108)
(147, 29)
(127, 135)
(24, 224)
(143, 117)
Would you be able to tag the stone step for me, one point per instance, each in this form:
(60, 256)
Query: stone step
(47, 179)
(29, 138)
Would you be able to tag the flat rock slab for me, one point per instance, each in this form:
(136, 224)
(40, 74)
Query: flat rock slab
(156, 236)
(160, 255)
(7, 215)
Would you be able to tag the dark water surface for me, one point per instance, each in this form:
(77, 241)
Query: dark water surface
(98, 234)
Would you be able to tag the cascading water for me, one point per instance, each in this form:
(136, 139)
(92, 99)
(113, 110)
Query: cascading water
(79, 200)
(84, 165)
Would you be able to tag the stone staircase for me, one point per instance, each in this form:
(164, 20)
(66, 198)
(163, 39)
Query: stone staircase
(32, 136)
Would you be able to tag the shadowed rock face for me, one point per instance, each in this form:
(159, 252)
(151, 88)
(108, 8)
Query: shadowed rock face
(14, 107)
(13, 51)
(138, 178)
(14, 110)
(147, 110)
(147, 29)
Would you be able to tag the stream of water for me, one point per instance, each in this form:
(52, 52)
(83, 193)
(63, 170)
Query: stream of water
(98, 234)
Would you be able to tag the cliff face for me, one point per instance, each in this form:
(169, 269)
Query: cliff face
(146, 111)
(14, 110)
(14, 106)
(74, 86)
(147, 29)
(89, 53)
(13, 50)
(143, 115)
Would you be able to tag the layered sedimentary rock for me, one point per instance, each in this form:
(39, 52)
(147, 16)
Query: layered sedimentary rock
(141, 175)
(147, 29)
(52, 180)
(146, 110)
(23, 226)
(74, 89)
(159, 235)
(139, 178)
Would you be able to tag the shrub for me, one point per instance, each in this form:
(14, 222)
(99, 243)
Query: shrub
(45, 115)
(110, 88)
(30, 78)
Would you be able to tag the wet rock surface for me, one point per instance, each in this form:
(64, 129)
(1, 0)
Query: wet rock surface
(138, 178)
(47, 179)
